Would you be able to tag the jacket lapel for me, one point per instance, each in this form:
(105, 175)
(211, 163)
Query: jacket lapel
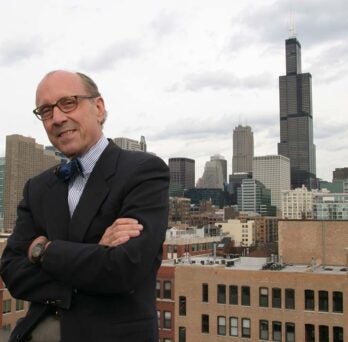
(94, 193)
(56, 210)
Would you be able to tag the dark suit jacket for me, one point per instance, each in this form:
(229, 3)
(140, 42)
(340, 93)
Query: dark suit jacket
(103, 294)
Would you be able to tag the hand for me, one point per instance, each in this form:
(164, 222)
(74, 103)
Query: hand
(40, 239)
(120, 232)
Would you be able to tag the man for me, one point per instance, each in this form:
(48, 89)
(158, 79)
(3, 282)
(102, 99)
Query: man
(85, 250)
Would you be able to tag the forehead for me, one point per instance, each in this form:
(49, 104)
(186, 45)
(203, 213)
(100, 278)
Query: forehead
(58, 84)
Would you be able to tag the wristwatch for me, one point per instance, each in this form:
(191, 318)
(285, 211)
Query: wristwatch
(37, 253)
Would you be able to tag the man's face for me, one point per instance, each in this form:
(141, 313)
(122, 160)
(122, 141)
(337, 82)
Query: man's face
(72, 133)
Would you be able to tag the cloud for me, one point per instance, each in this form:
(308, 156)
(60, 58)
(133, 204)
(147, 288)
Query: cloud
(14, 51)
(165, 23)
(119, 51)
(217, 80)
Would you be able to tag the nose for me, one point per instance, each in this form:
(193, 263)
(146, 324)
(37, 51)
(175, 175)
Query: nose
(58, 116)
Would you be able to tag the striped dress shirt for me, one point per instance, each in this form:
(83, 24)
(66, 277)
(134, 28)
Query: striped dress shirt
(88, 162)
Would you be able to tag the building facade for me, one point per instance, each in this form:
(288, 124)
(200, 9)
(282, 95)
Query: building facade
(254, 197)
(243, 149)
(330, 206)
(297, 204)
(2, 185)
(296, 119)
(273, 172)
(24, 159)
(215, 173)
(182, 175)
(131, 144)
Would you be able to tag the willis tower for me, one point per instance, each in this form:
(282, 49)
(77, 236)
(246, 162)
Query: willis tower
(296, 118)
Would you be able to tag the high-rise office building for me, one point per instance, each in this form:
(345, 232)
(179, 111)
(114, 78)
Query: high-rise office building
(296, 118)
(131, 144)
(24, 159)
(243, 149)
(340, 174)
(215, 173)
(274, 173)
(182, 175)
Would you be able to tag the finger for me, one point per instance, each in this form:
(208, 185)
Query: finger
(127, 227)
(125, 220)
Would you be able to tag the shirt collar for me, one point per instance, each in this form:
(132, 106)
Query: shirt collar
(89, 159)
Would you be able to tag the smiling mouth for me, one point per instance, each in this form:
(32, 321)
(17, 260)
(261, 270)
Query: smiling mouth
(66, 133)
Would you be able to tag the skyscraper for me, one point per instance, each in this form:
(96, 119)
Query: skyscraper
(274, 173)
(243, 149)
(296, 118)
(215, 173)
(131, 144)
(182, 175)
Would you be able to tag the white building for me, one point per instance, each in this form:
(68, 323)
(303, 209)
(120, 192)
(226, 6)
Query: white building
(131, 144)
(273, 172)
(297, 204)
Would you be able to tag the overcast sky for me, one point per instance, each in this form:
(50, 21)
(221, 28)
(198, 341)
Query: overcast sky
(182, 73)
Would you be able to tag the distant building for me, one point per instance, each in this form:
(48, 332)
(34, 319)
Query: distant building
(243, 149)
(296, 118)
(182, 175)
(215, 173)
(297, 204)
(235, 182)
(241, 231)
(218, 197)
(253, 196)
(24, 159)
(179, 209)
(131, 144)
(337, 185)
(273, 172)
(330, 206)
(340, 173)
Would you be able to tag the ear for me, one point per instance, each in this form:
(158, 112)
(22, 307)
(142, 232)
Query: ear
(99, 101)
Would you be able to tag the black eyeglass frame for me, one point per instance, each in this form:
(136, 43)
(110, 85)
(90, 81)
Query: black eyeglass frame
(36, 111)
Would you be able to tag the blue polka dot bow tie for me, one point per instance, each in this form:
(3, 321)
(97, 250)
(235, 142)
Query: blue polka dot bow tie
(68, 171)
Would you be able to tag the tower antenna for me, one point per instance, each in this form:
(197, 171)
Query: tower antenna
(292, 26)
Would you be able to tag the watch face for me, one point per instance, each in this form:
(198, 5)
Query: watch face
(37, 252)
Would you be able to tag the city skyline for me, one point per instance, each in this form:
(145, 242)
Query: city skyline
(183, 75)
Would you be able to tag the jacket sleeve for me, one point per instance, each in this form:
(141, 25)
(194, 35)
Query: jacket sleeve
(98, 269)
(23, 279)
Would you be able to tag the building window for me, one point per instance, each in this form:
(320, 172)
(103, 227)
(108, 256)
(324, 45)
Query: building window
(337, 334)
(221, 325)
(221, 294)
(182, 306)
(233, 294)
(264, 330)
(246, 331)
(263, 297)
(167, 320)
(167, 289)
(205, 293)
(289, 298)
(6, 306)
(309, 333)
(245, 295)
(277, 331)
(276, 298)
(182, 334)
(159, 319)
(289, 332)
(323, 333)
(233, 326)
(323, 301)
(19, 304)
(158, 289)
(309, 300)
(337, 298)
(205, 323)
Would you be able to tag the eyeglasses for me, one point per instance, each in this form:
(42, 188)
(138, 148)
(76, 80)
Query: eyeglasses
(66, 104)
